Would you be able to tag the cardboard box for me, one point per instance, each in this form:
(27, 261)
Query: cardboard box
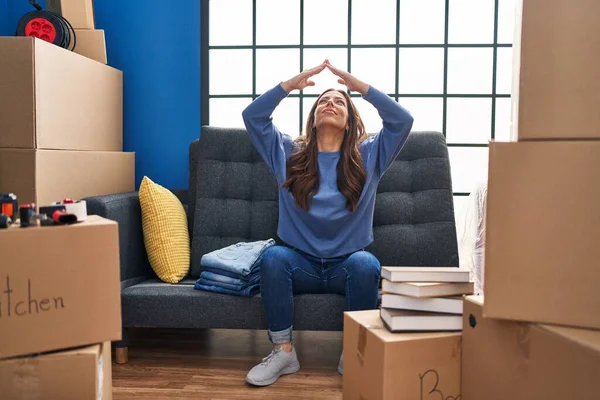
(57, 99)
(493, 365)
(45, 176)
(556, 74)
(542, 253)
(91, 43)
(521, 361)
(59, 287)
(79, 13)
(78, 374)
(380, 365)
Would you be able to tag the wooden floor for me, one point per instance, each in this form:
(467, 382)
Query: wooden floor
(212, 364)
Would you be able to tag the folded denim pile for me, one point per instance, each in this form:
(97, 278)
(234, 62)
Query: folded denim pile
(234, 269)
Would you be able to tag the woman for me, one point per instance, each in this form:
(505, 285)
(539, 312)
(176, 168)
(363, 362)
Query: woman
(327, 184)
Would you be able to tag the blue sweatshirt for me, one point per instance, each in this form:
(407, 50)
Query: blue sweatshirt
(328, 229)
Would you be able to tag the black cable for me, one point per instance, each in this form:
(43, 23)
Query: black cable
(35, 4)
(69, 32)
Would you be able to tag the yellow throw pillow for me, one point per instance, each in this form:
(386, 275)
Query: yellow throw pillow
(165, 227)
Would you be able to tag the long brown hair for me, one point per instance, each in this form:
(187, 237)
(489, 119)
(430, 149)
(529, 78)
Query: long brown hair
(303, 167)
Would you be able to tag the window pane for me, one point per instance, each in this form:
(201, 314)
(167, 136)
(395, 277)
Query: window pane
(506, 20)
(364, 13)
(427, 112)
(307, 103)
(469, 120)
(285, 116)
(471, 21)
(326, 79)
(325, 22)
(502, 119)
(368, 114)
(376, 67)
(422, 21)
(271, 25)
(421, 71)
(275, 66)
(469, 166)
(225, 64)
(504, 70)
(470, 71)
(221, 32)
(227, 113)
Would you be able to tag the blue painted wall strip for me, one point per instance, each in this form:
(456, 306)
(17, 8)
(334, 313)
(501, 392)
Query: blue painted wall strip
(157, 46)
(4, 18)
(11, 12)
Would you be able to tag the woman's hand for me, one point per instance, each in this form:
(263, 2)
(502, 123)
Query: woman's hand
(351, 82)
(302, 80)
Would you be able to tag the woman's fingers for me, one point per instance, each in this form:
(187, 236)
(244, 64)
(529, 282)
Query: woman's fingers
(315, 70)
(336, 71)
(305, 75)
(318, 70)
(301, 80)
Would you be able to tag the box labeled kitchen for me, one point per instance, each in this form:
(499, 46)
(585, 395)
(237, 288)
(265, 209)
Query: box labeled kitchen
(59, 286)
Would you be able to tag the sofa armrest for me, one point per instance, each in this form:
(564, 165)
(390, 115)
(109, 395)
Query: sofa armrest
(124, 208)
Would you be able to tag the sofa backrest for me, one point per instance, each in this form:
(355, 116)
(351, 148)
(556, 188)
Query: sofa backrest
(233, 197)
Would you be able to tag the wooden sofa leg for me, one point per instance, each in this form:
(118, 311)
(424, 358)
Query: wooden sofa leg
(121, 355)
(121, 349)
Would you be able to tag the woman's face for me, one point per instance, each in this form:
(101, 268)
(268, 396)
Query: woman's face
(332, 111)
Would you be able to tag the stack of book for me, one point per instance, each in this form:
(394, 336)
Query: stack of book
(424, 298)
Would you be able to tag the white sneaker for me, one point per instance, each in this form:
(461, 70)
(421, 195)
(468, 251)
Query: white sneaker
(341, 364)
(278, 363)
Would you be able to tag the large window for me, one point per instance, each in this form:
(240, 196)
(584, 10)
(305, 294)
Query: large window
(449, 62)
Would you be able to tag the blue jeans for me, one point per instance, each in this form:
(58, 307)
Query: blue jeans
(239, 258)
(248, 291)
(214, 282)
(255, 274)
(235, 283)
(286, 271)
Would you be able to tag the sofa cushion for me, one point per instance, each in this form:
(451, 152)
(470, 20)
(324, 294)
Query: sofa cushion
(154, 303)
(414, 220)
(165, 227)
(236, 199)
(236, 194)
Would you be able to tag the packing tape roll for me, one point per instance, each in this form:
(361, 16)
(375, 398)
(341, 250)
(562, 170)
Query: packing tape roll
(78, 208)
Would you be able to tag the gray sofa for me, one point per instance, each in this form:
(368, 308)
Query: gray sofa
(232, 197)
